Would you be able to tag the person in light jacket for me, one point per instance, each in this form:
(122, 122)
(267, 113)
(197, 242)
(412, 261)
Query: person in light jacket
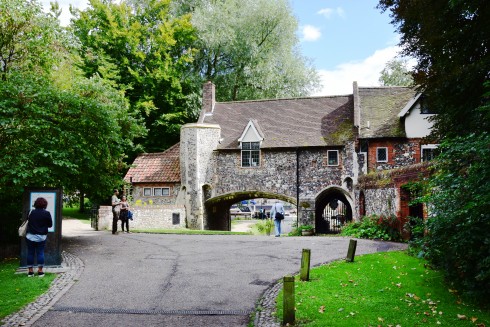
(277, 208)
(37, 232)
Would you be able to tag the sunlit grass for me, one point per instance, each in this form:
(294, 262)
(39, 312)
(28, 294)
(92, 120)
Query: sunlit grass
(17, 290)
(383, 289)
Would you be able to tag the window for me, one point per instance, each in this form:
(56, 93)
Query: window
(333, 157)
(157, 191)
(250, 154)
(161, 191)
(424, 108)
(382, 154)
(429, 152)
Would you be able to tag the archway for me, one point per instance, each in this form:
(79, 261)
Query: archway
(218, 208)
(333, 209)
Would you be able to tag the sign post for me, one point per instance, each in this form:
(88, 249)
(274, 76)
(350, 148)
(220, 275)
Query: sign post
(52, 252)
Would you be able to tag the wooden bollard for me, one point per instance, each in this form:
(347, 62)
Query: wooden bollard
(288, 313)
(305, 265)
(352, 251)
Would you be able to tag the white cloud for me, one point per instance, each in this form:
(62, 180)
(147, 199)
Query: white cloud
(310, 33)
(365, 72)
(327, 12)
(65, 8)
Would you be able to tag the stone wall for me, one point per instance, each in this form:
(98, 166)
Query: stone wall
(146, 217)
(383, 201)
(400, 153)
(138, 196)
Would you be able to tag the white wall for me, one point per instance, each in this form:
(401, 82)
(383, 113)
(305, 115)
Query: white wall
(417, 124)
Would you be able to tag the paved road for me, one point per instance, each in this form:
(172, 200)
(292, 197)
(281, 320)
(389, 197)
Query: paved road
(180, 280)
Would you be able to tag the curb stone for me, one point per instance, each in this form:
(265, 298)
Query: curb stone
(72, 269)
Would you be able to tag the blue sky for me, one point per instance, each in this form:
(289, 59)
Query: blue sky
(347, 40)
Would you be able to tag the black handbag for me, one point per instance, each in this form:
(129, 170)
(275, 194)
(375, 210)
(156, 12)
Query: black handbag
(279, 216)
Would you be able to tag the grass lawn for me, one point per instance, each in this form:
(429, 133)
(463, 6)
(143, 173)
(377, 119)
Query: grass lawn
(382, 289)
(74, 212)
(17, 290)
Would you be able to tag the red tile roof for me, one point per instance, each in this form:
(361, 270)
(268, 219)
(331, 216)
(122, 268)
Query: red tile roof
(160, 167)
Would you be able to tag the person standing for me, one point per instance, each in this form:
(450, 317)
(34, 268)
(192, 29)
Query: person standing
(39, 221)
(124, 214)
(116, 210)
(277, 213)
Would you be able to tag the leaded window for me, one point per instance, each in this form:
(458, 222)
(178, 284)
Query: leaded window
(250, 154)
(382, 154)
(333, 157)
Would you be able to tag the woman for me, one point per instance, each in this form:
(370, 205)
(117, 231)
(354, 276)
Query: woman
(37, 232)
(124, 214)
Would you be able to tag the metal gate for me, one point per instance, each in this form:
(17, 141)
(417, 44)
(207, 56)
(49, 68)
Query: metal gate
(335, 216)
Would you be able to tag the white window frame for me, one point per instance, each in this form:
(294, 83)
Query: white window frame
(377, 154)
(152, 191)
(250, 151)
(427, 147)
(328, 158)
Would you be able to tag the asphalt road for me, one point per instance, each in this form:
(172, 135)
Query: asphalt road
(180, 280)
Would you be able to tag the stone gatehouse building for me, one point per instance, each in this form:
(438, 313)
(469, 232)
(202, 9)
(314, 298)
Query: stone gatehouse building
(308, 151)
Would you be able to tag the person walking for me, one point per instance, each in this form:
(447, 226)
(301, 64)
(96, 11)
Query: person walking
(124, 214)
(116, 210)
(39, 220)
(277, 213)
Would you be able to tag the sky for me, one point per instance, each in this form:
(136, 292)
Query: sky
(346, 40)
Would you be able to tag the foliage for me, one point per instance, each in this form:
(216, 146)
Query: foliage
(459, 222)
(146, 52)
(396, 73)
(374, 227)
(249, 49)
(416, 227)
(16, 290)
(450, 41)
(382, 289)
(265, 226)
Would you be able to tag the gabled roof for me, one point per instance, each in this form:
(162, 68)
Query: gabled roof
(285, 123)
(254, 125)
(159, 167)
(379, 109)
(409, 105)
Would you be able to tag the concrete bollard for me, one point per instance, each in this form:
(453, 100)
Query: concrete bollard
(352, 251)
(288, 312)
(305, 265)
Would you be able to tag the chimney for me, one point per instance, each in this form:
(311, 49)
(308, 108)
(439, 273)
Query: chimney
(357, 105)
(208, 100)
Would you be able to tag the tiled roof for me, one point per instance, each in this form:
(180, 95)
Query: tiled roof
(298, 122)
(157, 167)
(380, 107)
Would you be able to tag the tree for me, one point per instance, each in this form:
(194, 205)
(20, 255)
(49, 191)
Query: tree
(396, 73)
(451, 42)
(57, 128)
(146, 53)
(249, 49)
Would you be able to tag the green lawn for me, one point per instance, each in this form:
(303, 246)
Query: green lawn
(17, 290)
(383, 289)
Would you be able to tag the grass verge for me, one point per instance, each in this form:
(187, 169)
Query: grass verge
(382, 289)
(16, 290)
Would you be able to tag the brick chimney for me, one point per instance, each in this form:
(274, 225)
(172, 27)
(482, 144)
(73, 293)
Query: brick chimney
(208, 100)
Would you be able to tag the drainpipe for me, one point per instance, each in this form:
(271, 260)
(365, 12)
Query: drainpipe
(297, 187)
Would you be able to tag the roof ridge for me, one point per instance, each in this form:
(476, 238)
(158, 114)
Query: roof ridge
(279, 99)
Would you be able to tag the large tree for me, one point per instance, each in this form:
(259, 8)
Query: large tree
(146, 52)
(57, 128)
(451, 41)
(249, 49)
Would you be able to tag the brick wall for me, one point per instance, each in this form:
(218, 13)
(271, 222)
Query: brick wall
(401, 152)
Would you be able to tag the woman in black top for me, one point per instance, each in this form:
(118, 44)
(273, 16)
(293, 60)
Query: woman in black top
(37, 232)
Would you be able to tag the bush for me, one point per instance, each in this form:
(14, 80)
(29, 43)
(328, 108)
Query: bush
(459, 222)
(374, 227)
(416, 228)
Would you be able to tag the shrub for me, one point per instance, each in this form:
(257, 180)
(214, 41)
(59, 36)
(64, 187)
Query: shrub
(374, 227)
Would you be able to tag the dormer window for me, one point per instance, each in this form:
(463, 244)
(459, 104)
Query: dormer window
(250, 154)
(424, 108)
(250, 145)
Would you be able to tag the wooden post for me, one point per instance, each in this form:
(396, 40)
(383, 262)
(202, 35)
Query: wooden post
(288, 313)
(305, 265)
(352, 251)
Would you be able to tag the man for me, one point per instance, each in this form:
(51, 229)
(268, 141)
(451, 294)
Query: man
(277, 213)
(116, 209)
